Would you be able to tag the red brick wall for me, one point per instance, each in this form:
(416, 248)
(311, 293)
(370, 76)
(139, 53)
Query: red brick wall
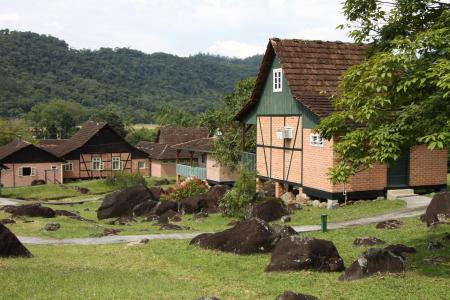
(317, 161)
(271, 164)
(10, 177)
(427, 167)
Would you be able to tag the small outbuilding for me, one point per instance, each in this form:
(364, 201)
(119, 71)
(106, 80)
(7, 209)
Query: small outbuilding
(161, 154)
(23, 163)
(203, 164)
(293, 92)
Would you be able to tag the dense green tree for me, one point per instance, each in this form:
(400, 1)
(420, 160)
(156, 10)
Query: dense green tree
(400, 95)
(56, 119)
(141, 134)
(227, 148)
(173, 116)
(113, 117)
(38, 68)
(11, 129)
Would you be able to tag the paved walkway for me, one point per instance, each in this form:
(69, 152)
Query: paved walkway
(404, 213)
(8, 201)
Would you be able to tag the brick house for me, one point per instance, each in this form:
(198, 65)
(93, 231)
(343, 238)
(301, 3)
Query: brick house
(203, 165)
(292, 93)
(24, 163)
(97, 151)
(162, 156)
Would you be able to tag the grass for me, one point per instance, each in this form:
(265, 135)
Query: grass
(215, 222)
(175, 270)
(57, 192)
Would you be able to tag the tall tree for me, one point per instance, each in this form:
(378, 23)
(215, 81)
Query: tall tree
(227, 148)
(173, 116)
(56, 119)
(399, 96)
(113, 117)
(11, 129)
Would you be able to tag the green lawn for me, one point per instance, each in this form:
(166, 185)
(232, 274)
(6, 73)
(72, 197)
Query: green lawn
(175, 270)
(215, 222)
(58, 192)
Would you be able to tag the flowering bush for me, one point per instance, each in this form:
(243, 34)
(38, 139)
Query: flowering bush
(189, 187)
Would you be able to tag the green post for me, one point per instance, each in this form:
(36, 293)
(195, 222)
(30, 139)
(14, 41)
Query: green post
(323, 222)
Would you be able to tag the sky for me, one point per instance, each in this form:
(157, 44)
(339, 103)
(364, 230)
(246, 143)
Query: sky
(234, 28)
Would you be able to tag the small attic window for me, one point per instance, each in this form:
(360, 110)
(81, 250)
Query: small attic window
(277, 79)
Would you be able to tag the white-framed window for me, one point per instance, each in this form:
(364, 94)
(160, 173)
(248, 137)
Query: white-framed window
(116, 163)
(316, 140)
(27, 171)
(97, 163)
(141, 165)
(68, 166)
(277, 80)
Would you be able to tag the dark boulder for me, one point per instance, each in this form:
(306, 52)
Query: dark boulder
(34, 210)
(213, 198)
(38, 182)
(389, 224)
(121, 203)
(52, 226)
(446, 236)
(294, 207)
(66, 213)
(144, 208)
(10, 246)
(368, 241)
(269, 210)
(169, 216)
(7, 221)
(200, 215)
(439, 209)
(289, 295)
(374, 261)
(169, 226)
(281, 231)
(10, 209)
(296, 253)
(123, 221)
(193, 204)
(107, 232)
(207, 202)
(156, 191)
(72, 215)
(246, 237)
(434, 245)
(165, 206)
(401, 250)
(82, 190)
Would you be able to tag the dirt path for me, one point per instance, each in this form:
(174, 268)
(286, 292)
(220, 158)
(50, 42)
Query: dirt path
(404, 213)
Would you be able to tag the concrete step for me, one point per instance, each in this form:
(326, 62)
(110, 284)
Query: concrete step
(400, 193)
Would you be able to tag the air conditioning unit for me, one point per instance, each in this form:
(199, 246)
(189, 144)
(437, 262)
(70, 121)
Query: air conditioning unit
(285, 133)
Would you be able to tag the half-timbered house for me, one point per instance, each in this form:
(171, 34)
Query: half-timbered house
(97, 151)
(296, 81)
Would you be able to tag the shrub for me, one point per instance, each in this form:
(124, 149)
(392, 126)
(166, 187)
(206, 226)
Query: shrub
(121, 180)
(189, 187)
(236, 201)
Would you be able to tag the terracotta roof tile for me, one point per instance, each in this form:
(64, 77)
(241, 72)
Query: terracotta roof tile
(172, 136)
(161, 151)
(312, 70)
(204, 145)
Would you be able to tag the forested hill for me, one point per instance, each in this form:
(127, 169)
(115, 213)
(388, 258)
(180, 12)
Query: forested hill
(37, 68)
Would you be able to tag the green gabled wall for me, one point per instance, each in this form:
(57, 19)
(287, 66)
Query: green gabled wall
(279, 103)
